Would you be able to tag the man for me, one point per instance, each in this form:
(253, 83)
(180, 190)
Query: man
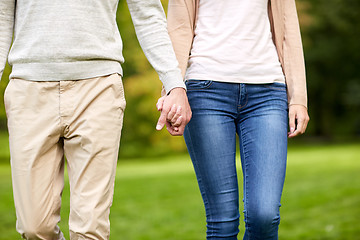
(66, 96)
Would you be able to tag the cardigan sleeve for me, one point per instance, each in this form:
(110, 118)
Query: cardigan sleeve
(7, 16)
(293, 57)
(181, 30)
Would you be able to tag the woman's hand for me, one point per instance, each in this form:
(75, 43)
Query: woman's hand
(175, 112)
(298, 120)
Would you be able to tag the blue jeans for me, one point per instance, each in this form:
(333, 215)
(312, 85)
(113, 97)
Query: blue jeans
(258, 114)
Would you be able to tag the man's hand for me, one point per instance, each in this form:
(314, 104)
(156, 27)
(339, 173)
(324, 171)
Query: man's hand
(298, 120)
(175, 112)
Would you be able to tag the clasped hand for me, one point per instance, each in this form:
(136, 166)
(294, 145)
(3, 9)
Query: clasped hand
(175, 112)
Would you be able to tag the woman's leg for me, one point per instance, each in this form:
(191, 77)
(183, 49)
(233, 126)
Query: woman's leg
(210, 138)
(262, 129)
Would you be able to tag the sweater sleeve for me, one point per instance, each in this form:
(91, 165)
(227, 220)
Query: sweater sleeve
(7, 16)
(151, 29)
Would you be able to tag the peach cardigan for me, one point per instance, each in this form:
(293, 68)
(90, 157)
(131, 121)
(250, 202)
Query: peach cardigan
(285, 31)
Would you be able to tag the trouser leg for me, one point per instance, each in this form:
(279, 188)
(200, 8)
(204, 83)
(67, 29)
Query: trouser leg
(91, 144)
(211, 138)
(36, 157)
(212, 152)
(262, 130)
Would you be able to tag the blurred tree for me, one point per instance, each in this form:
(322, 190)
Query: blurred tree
(139, 137)
(332, 51)
(142, 89)
(3, 83)
(331, 33)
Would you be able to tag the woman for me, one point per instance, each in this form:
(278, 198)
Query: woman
(244, 70)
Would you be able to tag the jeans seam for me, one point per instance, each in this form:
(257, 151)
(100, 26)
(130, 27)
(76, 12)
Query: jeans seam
(246, 102)
(245, 178)
(246, 97)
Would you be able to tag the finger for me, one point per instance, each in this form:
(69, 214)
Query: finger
(295, 133)
(162, 120)
(175, 128)
(181, 130)
(160, 103)
(292, 124)
(177, 115)
(178, 122)
(171, 129)
(302, 123)
(306, 121)
(171, 113)
(300, 127)
(178, 131)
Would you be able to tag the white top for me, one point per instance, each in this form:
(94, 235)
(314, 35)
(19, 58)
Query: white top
(233, 43)
(75, 39)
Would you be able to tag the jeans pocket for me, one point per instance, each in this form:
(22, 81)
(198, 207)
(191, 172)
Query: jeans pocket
(193, 84)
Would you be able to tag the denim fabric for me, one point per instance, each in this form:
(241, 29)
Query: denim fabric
(258, 114)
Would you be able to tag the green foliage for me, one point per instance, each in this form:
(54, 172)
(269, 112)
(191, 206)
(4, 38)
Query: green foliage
(159, 198)
(4, 148)
(135, 61)
(139, 137)
(331, 33)
(142, 89)
(4, 81)
(332, 52)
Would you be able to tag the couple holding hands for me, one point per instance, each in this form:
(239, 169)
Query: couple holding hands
(229, 68)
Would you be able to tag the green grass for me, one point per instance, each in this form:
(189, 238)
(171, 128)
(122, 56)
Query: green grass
(4, 147)
(159, 199)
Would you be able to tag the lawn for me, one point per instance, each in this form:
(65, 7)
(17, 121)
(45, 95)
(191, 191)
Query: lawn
(158, 199)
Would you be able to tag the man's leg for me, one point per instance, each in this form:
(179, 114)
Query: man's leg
(92, 110)
(36, 157)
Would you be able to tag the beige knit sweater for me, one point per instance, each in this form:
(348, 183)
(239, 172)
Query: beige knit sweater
(72, 39)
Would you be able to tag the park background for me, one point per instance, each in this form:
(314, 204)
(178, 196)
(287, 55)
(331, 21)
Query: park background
(156, 194)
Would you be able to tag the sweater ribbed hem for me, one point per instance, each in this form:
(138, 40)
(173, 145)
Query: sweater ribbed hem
(59, 71)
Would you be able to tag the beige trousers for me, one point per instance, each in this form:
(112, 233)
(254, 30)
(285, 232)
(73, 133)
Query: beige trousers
(81, 119)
